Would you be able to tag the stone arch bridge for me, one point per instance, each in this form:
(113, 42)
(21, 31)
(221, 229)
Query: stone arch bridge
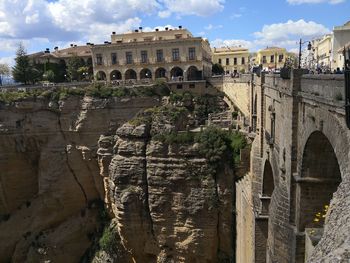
(294, 204)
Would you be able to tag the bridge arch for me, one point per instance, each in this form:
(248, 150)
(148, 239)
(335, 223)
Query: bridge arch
(320, 176)
(319, 179)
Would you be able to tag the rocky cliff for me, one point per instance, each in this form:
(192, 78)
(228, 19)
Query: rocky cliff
(169, 205)
(61, 159)
(50, 178)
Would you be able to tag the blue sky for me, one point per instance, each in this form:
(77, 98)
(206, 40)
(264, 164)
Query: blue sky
(252, 23)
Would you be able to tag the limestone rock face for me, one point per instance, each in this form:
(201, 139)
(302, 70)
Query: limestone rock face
(50, 175)
(167, 205)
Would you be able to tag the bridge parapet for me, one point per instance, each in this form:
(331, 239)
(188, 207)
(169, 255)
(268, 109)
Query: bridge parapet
(276, 82)
(324, 87)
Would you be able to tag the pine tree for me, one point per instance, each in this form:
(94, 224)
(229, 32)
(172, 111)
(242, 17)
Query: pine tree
(22, 70)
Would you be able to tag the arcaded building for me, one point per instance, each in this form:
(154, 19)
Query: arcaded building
(171, 54)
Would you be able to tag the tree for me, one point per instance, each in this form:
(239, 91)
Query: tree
(4, 71)
(22, 71)
(217, 69)
(74, 63)
(49, 75)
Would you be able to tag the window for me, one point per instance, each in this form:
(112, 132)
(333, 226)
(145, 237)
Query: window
(98, 59)
(264, 59)
(272, 59)
(114, 58)
(128, 57)
(243, 61)
(192, 86)
(220, 61)
(179, 86)
(178, 36)
(234, 61)
(227, 61)
(192, 53)
(160, 55)
(176, 54)
(280, 58)
(144, 56)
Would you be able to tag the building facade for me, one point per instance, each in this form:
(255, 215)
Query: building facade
(323, 51)
(341, 35)
(62, 55)
(171, 54)
(272, 58)
(232, 59)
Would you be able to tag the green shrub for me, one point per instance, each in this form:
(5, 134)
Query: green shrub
(234, 115)
(175, 138)
(108, 241)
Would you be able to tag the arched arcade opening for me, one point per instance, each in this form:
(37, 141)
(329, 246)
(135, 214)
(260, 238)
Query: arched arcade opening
(145, 74)
(160, 73)
(116, 75)
(193, 73)
(176, 72)
(130, 74)
(101, 75)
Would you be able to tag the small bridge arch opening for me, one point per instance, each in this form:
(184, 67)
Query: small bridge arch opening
(319, 179)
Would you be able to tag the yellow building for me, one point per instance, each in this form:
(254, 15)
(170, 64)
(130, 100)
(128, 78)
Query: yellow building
(232, 59)
(172, 54)
(272, 57)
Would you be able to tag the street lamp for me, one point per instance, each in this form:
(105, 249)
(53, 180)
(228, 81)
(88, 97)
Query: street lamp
(300, 45)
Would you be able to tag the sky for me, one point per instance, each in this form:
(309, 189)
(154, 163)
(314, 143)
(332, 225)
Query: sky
(255, 24)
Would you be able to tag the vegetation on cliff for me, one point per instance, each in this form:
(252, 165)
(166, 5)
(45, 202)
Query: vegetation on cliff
(96, 90)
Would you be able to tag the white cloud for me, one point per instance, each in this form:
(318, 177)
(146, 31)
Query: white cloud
(8, 60)
(299, 2)
(285, 35)
(193, 7)
(211, 27)
(290, 30)
(231, 43)
(237, 15)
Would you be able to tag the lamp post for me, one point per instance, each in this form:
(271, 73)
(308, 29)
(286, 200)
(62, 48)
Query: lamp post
(300, 45)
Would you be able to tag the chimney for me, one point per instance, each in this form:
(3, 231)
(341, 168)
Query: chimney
(88, 43)
(136, 31)
(166, 28)
(71, 45)
(180, 27)
(106, 42)
(157, 29)
(47, 50)
(140, 28)
(113, 33)
(56, 48)
(75, 45)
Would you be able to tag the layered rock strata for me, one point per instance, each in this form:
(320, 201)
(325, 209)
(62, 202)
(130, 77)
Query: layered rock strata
(49, 175)
(168, 206)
